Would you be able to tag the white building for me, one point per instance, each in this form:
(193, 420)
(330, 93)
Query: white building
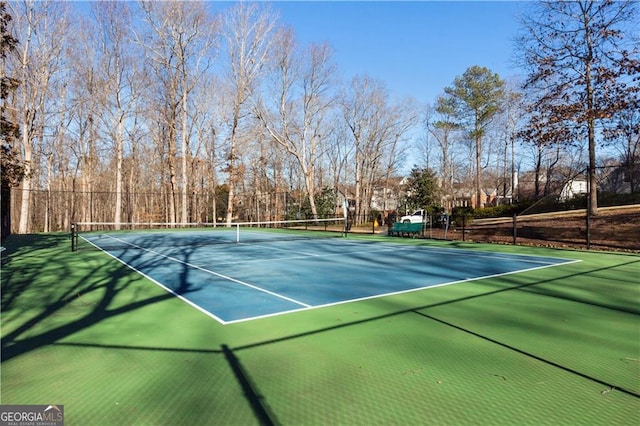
(572, 188)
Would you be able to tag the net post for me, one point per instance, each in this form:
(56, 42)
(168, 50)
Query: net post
(237, 232)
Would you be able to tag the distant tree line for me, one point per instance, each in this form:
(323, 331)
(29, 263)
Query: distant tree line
(580, 94)
(175, 112)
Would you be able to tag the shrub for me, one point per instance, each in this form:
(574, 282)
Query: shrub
(462, 215)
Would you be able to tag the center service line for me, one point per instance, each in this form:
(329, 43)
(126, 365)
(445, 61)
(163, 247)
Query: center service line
(297, 302)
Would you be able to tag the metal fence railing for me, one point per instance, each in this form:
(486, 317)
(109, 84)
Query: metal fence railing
(614, 228)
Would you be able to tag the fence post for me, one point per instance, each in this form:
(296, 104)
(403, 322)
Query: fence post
(515, 229)
(588, 224)
(73, 237)
(464, 223)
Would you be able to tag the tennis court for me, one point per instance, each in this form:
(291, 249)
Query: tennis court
(263, 274)
(391, 330)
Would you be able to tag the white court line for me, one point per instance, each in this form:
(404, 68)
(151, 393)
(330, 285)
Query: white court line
(281, 249)
(410, 290)
(391, 247)
(303, 256)
(304, 306)
(297, 302)
(159, 284)
(498, 255)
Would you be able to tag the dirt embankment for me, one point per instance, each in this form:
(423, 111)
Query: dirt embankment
(615, 229)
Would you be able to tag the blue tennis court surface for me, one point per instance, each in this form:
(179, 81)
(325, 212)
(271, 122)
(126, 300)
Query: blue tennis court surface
(241, 281)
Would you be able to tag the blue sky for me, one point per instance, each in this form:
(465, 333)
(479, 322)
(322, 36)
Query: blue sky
(416, 47)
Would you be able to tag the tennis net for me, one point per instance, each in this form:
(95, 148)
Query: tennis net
(113, 236)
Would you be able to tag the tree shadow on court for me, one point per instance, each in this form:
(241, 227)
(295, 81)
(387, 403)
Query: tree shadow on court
(500, 289)
(36, 288)
(532, 355)
(503, 285)
(63, 295)
(258, 403)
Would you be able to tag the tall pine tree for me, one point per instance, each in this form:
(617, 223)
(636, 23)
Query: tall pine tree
(477, 96)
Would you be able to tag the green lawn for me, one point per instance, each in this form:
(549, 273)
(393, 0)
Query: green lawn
(556, 346)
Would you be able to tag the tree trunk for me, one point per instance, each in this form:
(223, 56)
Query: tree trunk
(479, 199)
(171, 163)
(185, 155)
(119, 154)
(591, 134)
(232, 165)
(23, 224)
(26, 136)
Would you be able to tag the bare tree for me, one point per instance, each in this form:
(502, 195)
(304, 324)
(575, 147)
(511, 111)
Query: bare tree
(580, 61)
(121, 84)
(179, 44)
(442, 124)
(84, 104)
(339, 152)
(362, 108)
(377, 127)
(41, 28)
(623, 132)
(303, 98)
(543, 132)
(247, 28)
(511, 116)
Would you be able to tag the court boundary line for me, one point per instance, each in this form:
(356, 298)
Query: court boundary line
(159, 284)
(305, 306)
(388, 247)
(219, 275)
(395, 293)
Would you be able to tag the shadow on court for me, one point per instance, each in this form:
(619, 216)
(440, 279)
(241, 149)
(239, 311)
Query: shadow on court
(65, 297)
(537, 288)
(503, 289)
(63, 287)
(257, 401)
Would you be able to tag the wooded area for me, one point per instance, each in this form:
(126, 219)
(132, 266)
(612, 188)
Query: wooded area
(173, 112)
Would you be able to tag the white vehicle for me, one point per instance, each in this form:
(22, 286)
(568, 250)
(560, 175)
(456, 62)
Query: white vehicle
(418, 216)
